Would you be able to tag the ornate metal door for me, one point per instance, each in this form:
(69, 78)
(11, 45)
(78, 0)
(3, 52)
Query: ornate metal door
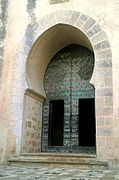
(67, 78)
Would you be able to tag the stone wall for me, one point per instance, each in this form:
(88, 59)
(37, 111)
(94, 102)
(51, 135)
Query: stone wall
(32, 124)
(3, 141)
(3, 29)
(3, 32)
(23, 18)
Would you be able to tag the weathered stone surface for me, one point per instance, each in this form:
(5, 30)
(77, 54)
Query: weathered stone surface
(32, 124)
(104, 92)
(100, 121)
(101, 141)
(102, 131)
(104, 63)
(67, 17)
(3, 28)
(57, 1)
(108, 121)
(109, 101)
(89, 23)
(101, 36)
(74, 17)
(81, 20)
(23, 172)
(102, 45)
(104, 111)
(106, 54)
(93, 31)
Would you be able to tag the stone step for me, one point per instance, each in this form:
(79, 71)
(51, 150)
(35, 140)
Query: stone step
(59, 160)
(57, 156)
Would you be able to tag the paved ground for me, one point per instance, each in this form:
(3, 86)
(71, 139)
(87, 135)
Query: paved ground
(33, 173)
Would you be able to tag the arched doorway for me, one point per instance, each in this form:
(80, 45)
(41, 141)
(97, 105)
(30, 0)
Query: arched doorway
(69, 108)
(48, 40)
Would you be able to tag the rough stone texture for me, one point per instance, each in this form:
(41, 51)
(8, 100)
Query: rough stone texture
(3, 30)
(3, 26)
(89, 23)
(23, 172)
(32, 125)
(3, 141)
(102, 45)
(32, 25)
(74, 17)
(81, 20)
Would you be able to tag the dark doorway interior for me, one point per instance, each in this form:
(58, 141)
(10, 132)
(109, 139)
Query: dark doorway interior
(87, 130)
(56, 123)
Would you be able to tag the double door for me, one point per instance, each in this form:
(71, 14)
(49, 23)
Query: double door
(80, 131)
(69, 110)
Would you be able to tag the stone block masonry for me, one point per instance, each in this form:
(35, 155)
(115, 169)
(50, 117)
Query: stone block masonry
(32, 125)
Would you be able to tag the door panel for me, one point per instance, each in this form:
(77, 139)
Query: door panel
(67, 78)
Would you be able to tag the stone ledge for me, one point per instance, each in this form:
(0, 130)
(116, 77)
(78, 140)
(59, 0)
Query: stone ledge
(35, 95)
(56, 160)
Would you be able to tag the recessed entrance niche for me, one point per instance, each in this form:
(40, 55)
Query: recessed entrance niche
(69, 109)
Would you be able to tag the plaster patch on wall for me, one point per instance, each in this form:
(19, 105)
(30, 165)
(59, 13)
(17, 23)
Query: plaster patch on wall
(3, 26)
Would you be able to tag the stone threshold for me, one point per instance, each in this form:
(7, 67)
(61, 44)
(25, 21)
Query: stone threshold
(59, 154)
(81, 161)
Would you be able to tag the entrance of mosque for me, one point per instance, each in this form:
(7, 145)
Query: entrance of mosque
(69, 109)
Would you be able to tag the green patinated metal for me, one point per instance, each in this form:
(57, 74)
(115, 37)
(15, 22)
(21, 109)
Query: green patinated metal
(68, 77)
